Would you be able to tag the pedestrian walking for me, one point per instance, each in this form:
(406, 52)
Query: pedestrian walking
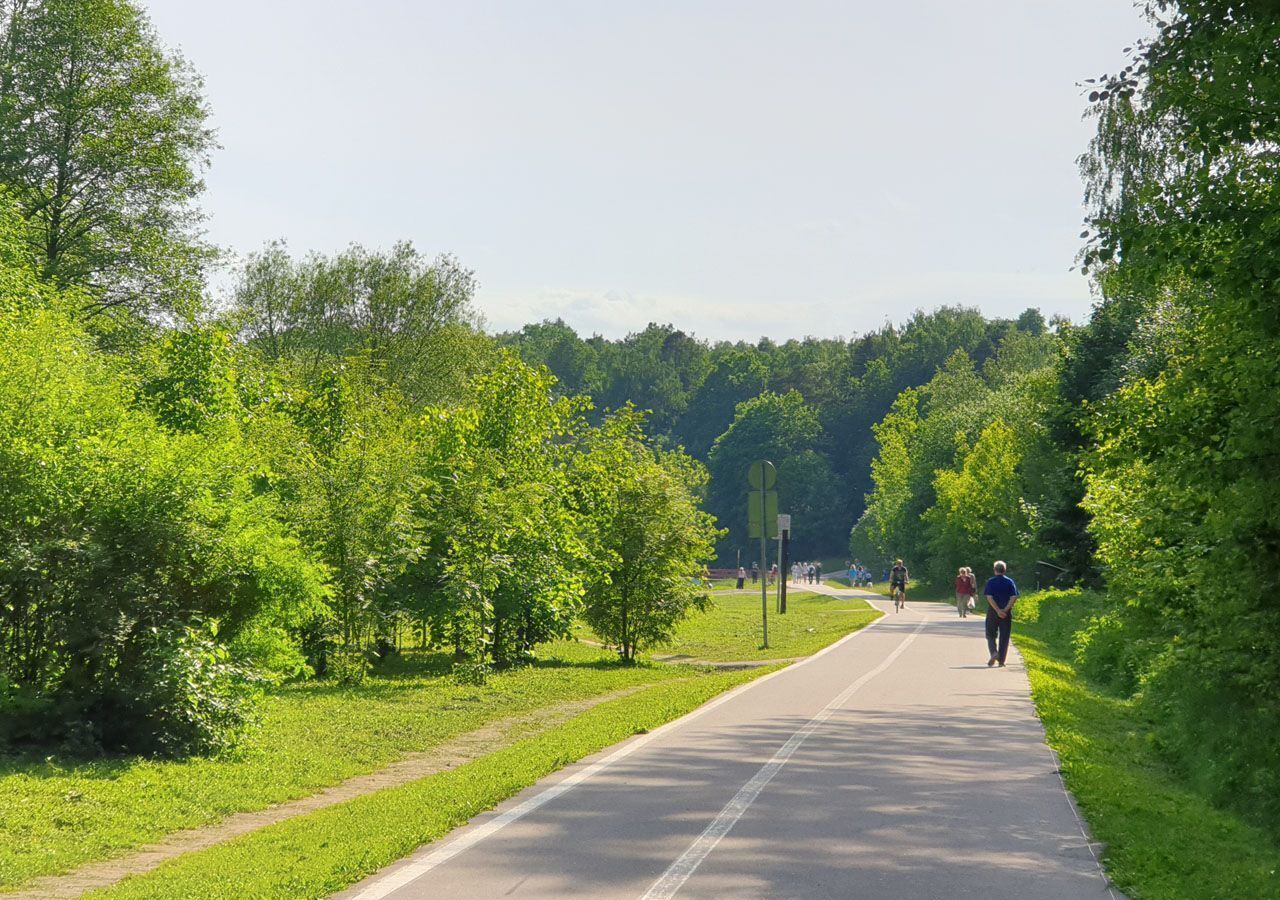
(1001, 593)
(755, 573)
(742, 577)
(817, 573)
(773, 574)
(966, 587)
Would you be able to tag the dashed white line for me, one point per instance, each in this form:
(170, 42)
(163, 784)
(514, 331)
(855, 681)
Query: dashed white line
(678, 873)
(406, 874)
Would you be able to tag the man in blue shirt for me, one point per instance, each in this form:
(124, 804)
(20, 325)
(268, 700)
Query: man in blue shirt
(1001, 594)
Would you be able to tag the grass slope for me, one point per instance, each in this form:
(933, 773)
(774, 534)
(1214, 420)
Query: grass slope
(1162, 839)
(315, 855)
(60, 813)
(918, 591)
(57, 813)
(730, 630)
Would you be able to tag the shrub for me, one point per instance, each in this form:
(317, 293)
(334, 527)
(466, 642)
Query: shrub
(272, 651)
(347, 666)
(118, 537)
(24, 715)
(474, 674)
(197, 699)
(1106, 651)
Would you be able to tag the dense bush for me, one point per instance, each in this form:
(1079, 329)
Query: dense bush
(117, 538)
(185, 695)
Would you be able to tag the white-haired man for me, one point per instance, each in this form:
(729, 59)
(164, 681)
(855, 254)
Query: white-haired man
(1001, 593)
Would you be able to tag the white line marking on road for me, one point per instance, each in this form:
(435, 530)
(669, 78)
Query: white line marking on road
(678, 873)
(393, 881)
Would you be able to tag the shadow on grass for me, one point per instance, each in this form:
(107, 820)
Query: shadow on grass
(411, 671)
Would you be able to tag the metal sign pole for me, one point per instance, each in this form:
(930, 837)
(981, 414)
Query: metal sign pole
(762, 475)
(764, 579)
(784, 560)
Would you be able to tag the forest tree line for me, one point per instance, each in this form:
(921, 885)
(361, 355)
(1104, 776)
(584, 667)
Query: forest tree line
(808, 405)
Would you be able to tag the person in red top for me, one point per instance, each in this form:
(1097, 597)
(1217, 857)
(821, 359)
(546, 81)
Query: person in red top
(965, 589)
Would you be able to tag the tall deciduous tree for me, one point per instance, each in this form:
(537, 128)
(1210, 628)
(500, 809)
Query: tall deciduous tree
(410, 317)
(785, 430)
(102, 139)
(650, 540)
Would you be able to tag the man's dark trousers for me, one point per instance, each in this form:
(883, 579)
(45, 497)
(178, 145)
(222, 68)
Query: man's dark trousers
(998, 626)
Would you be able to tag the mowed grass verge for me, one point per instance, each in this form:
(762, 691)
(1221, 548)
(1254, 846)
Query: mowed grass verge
(730, 631)
(1163, 840)
(922, 593)
(59, 813)
(317, 854)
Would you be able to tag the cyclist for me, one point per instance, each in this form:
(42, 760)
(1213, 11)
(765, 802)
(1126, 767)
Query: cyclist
(898, 578)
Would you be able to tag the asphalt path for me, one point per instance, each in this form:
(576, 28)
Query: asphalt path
(894, 764)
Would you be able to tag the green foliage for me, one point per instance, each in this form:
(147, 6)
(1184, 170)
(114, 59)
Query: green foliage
(408, 319)
(342, 457)
(513, 561)
(192, 386)
(965, 465)
(475, 674)
(736, 376)
(694, 389)
(785, 430)
(649, 539)
(980, 508)
(1162, 837)
(113, 528)
(186, 695)
(102, 135)
(347, 666)
(118, 538)
(1180, 479)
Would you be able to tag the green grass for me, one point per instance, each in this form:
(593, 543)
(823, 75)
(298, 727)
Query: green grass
(60, 813)
(916, 591)
(317, 854)
(57, 813)
(731, 629)
(1163, 840)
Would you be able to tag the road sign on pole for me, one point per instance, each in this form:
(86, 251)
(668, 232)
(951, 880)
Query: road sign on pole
(762, 475)
(762, 515)
(762, 522)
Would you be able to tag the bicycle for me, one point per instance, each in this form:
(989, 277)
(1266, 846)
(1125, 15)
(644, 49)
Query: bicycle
(899, 598)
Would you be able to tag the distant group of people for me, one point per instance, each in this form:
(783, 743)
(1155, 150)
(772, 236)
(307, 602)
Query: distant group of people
(806, 572)
(755, 574)
(860, 575)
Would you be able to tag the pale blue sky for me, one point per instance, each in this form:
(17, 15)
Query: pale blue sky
(731, 167)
